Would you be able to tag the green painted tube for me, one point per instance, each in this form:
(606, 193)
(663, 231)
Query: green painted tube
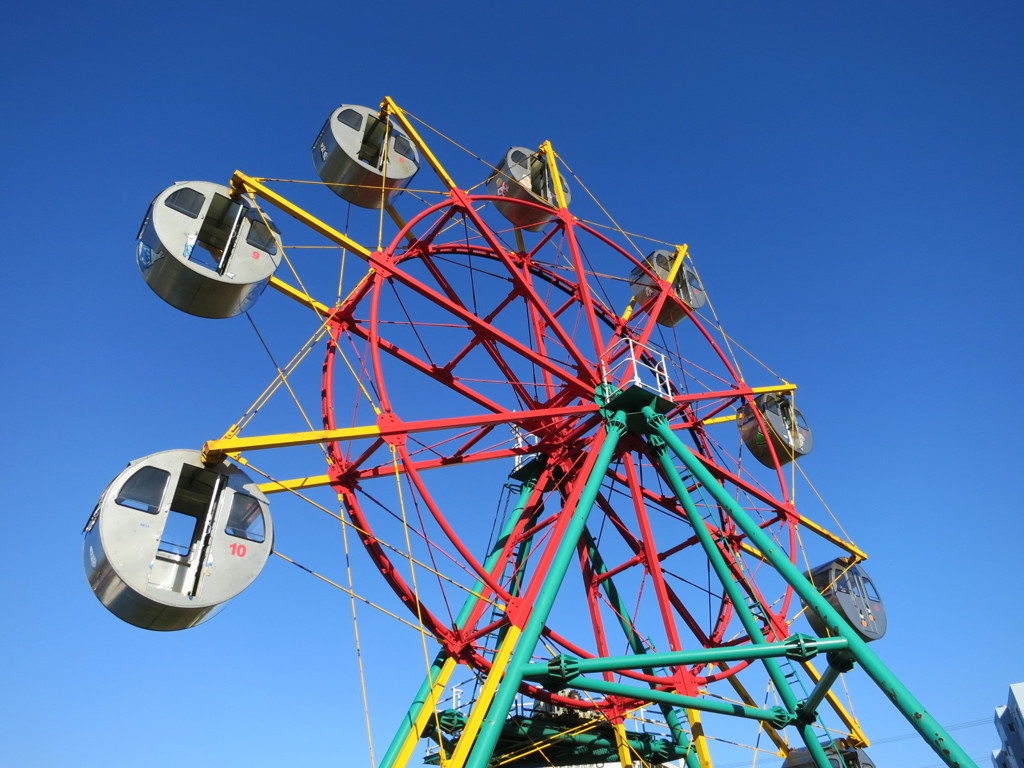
(721, 568)
(406, 725)
(506, 693)
(933, 733)
(825, 683)
(635, 642)
(703, 656)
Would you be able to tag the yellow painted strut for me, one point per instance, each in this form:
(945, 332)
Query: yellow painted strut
(677, 264)
(483, 702)
(697, 738)
(423, 716)
(388, 106)
(216, 450)
(622, 742)
(296, 484)
(556, 179)
(240, 180)
(299, 296)
(785, 387)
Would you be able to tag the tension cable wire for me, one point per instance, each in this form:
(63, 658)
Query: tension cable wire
(347, 591)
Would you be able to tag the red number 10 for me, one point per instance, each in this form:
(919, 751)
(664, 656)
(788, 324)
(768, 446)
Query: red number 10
(238, 550)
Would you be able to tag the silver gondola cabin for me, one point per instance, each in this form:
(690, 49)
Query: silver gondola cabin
(204, 252)
(522, 177)
(687, 286)
(171, 540)
(849, 590)
(350, 155)
(790, 435)
(845, 758)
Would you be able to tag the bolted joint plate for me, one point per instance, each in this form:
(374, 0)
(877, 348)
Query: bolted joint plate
(801, 647)
(562, 669)
(451, 721)
(780, 717)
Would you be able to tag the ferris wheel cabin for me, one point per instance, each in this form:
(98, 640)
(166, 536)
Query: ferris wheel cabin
(686, 286)
(205, 252)
(851, 592)
(846, 758)
(365, 160)
(523, 176)
(171, 540)
(790, 435)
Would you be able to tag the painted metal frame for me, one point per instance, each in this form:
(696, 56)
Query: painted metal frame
(578, 414)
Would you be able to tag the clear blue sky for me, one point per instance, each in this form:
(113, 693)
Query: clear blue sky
(869, 155)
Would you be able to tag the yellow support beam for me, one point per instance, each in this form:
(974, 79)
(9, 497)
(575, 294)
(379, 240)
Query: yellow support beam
(298, 484)
(787, 387)
(388, 106)
(423, 717)
(239, 181)
(622, 743)
(826, 534)
(720, 419)
(556, 178)
(215, 450)
(483, 702)
(299, 296)
(698, 740)
(677, 264)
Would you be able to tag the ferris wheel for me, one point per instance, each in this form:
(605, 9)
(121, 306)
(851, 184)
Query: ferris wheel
(561, 465)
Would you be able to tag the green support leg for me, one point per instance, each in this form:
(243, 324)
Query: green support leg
(486, 740)
(406, 726)
(746, 616)
(933, 733)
